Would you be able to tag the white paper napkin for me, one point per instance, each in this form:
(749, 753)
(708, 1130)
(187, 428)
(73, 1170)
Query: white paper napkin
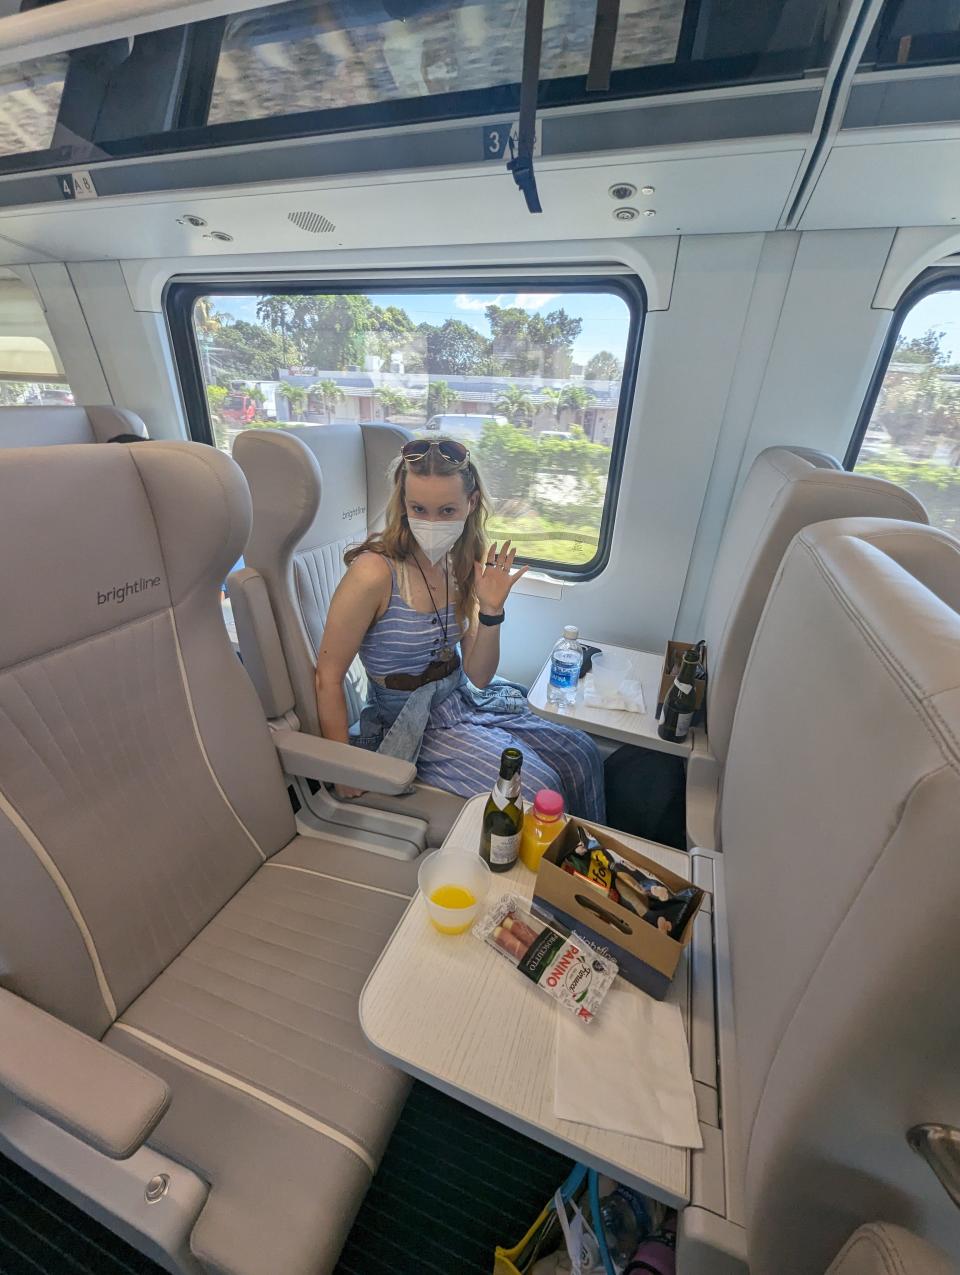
(628, 1070)
(628, 697)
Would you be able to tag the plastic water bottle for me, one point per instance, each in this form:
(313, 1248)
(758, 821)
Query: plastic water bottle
(565, 665)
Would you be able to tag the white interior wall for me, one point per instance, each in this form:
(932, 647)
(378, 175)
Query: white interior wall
(802, 370)
(68, 327)
(133, 346)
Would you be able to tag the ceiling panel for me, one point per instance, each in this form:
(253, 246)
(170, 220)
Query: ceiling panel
(703, 193)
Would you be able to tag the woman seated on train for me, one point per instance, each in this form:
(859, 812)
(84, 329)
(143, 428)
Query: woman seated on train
(422, 603)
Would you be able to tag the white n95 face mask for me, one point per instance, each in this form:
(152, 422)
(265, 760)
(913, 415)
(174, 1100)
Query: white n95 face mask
(436, 538)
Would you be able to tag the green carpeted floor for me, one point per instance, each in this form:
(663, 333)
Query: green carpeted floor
(452, 1186)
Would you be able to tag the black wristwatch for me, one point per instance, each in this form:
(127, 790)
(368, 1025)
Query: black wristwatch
(491, 620)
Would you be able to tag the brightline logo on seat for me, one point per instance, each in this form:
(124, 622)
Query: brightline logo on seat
(120, 592)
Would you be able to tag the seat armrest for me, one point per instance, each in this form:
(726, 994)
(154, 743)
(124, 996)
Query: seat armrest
(259, 641)
(76, 1082)
(330, 762)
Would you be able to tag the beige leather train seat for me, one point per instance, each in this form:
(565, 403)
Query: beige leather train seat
(880, 1249)
(316, 490)
(180, 972)
(841, 879)
(46, 426)
(786, 489)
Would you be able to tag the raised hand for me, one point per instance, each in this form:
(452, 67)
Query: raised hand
(494, 578)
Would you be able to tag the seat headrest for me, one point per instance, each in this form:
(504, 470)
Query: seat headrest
(60, 426)
(786, 489)
(315, 485)
(136, 529)
(297, 502)
(874, 560)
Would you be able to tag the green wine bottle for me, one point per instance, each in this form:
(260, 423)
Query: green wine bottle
(681, 701)
(503, 815)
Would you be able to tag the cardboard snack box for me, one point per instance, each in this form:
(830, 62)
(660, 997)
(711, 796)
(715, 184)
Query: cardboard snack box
(647, 957)
(671, 662)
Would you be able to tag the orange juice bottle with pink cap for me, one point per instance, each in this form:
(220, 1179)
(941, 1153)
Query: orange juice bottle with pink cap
(541, 823)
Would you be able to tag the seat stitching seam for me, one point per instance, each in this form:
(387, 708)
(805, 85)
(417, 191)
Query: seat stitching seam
(276, 892)
(327, 876)
(249, 982)
(267, 1018)
(269, 991)
(918, 701)
(48, 863)
(223, 1028)
(280, 897)
(286, 948)
(184, 681)
(802, 995)
(282, 969)
(311, 917)
(82, 641)
(268, 1099)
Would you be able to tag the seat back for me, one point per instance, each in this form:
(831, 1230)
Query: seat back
(56, 426)
(315, 489)
(841, 833)
(139, 787)
(786, 489)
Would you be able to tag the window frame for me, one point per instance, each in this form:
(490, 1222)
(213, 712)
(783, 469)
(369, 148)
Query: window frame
(180, 295)
(935, 279)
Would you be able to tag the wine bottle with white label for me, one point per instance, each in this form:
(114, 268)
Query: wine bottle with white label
(503, 815)
(681, 701)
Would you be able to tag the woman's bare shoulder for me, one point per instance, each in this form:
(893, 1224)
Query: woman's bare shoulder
(370, 571)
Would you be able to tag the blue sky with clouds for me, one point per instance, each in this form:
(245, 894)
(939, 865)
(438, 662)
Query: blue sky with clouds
(940, 311)
(606, 318)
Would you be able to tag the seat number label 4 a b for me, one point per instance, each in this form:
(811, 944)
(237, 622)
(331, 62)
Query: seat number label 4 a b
(78, 185)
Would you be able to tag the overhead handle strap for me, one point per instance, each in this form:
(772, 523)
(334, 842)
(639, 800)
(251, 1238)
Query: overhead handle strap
(604, 39)
(521, 165)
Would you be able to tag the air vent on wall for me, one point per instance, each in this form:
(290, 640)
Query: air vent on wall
(313, 222)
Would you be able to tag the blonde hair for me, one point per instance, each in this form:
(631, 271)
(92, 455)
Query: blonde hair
(397, 543)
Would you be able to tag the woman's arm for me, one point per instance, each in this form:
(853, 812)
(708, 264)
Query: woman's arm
(493, 581)
(360, 597)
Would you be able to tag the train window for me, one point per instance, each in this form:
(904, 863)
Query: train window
(536, 378)
(909, 431)
(30, 369)
(286, 58)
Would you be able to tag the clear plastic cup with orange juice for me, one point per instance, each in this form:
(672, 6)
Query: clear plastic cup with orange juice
(542, 822)
(453, 884)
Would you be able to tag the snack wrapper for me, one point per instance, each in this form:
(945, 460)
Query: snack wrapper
(641, 893)
(568, 969)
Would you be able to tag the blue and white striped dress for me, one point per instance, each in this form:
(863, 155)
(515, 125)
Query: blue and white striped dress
(462, 743)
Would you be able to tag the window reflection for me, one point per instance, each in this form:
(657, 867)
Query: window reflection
(308, 56)
(29, 101)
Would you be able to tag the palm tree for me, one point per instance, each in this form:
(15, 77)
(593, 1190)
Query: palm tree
(576, 399)
(552, 398)
(394, 402)
(329, 393)
(295, 395)
(274, 311)
(516, 405)
(439, 397)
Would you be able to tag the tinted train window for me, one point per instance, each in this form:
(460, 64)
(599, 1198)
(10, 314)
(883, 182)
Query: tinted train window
(535, 379)
(30, 371)
(912, 435)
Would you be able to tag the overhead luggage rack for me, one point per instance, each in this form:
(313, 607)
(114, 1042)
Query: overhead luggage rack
(134, 86)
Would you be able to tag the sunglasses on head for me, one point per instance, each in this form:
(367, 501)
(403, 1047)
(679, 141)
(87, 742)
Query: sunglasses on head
(453, 453)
